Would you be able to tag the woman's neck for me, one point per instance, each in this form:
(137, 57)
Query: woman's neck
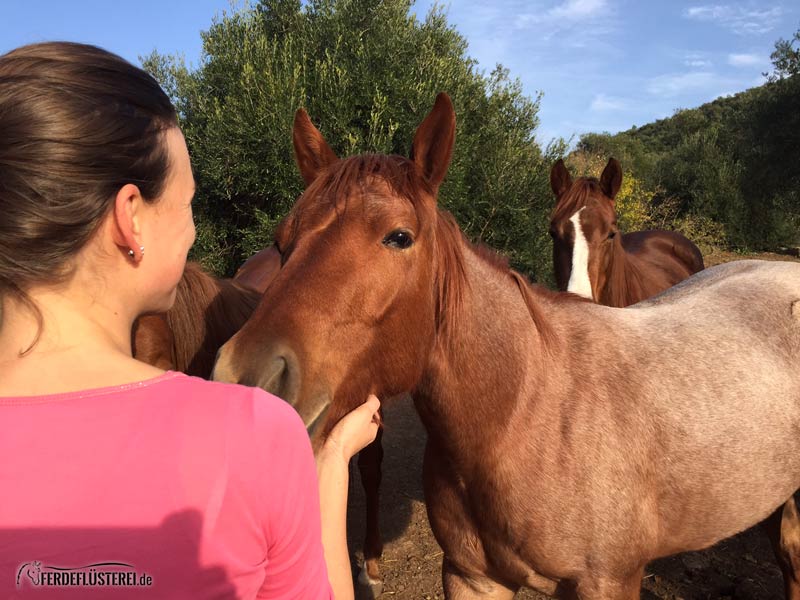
(82, 341)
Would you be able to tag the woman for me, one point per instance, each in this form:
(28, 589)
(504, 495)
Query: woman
(114, 473)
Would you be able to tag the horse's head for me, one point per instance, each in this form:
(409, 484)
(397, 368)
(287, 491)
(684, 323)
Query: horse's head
(584, 228)
(34, 571)
(355, 306)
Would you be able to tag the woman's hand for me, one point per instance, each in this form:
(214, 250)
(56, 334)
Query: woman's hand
(356, 430)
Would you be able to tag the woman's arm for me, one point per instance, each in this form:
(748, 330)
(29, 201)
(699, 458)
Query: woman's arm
(355, 431)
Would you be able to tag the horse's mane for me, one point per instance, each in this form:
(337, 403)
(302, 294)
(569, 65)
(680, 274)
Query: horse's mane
(625, 285)
(206, 313)
(575, 197)
(451, 243)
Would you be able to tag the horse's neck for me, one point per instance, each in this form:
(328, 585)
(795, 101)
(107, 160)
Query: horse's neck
(477, 376)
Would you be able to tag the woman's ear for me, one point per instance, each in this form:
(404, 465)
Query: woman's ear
(126, 226)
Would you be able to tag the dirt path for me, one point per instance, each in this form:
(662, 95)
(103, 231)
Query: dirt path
(740, 568)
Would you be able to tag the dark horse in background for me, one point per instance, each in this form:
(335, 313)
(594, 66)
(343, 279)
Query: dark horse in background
(592, 259)
(569, 443)
(207, 311)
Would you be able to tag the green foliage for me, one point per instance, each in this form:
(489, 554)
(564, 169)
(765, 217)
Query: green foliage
(785, 58)
(367, 72)
(705, 180)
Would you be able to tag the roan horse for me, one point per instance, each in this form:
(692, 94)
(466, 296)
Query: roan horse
(591, 259)
(569, 443)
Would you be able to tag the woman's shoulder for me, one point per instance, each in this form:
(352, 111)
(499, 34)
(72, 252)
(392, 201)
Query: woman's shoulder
(238, 405)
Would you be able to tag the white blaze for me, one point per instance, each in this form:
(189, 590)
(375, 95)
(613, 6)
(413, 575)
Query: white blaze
(579, 278)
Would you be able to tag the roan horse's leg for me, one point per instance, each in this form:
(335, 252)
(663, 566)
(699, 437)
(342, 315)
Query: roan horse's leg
(369, 464)
(607, 588)
(783, 528)
(460, 587)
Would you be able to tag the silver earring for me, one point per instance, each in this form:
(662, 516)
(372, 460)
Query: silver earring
(132, 254)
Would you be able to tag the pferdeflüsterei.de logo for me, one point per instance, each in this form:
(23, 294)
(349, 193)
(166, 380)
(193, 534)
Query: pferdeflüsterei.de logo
(105, 574)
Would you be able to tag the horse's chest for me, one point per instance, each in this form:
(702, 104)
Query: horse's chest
(485, 525)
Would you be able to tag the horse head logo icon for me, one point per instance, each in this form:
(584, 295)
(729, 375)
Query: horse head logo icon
(33, 570)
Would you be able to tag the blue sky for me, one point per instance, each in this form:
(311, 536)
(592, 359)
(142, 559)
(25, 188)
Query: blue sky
(603, 65)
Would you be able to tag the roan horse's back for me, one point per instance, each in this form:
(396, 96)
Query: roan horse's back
(770, 279)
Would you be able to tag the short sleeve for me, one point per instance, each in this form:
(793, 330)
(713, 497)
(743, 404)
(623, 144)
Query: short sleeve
(290, 494)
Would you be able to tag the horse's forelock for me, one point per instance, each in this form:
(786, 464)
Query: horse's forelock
(336, 184)
(575, 198)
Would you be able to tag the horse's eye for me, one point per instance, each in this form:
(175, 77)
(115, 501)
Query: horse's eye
(398, 239)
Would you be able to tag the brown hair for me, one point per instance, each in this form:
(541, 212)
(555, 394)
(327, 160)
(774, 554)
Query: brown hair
(77, 124)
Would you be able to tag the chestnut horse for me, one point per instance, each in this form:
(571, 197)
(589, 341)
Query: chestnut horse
(569, 443)
(591, 259)
(206, 313)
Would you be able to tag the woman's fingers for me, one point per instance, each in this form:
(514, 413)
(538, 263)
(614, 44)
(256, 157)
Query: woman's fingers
(358, 428)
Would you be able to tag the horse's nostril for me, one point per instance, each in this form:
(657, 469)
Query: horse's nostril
(275, 375)
(280, 376)
(222, 370)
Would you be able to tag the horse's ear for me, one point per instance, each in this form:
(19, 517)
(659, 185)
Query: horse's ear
(560, 180)
(611, 179)
(433, 142)
(311, 151)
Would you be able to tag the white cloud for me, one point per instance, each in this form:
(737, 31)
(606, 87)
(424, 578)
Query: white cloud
(601, 102)
(697, 60)
(745, 60)
(674, 85)
(705, 13)
(740, 20)
(577, 9)
(569, 11)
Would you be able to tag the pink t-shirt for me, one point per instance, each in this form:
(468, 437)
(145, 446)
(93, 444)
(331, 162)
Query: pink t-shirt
(208, 489)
